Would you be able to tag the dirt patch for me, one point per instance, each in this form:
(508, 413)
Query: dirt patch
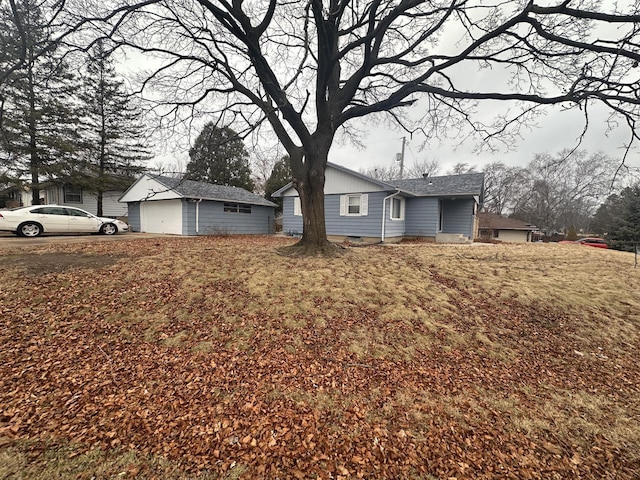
(58, 262)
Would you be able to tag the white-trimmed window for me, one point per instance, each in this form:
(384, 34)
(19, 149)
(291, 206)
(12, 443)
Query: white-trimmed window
(354, 205)
(397, 208)
(236, 207)
(297, 207)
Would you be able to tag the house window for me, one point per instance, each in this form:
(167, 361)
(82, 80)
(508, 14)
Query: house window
(72, 194)
(237, 208)
(397, 208)
(355, 205)
(297, 207)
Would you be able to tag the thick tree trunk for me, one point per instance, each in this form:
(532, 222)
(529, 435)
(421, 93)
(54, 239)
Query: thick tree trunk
(99, 209)
(308, 179)
(33, 146)
(311, 190)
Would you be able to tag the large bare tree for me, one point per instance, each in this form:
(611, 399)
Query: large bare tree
(308, 69)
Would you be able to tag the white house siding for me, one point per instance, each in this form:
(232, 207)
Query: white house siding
(110, 205)
(148, 188)
(213, 220)
(422, 217)
(337, 181)
(513, 236)
(458, 216)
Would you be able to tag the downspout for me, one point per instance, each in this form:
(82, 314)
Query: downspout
(198, 215)
(384, 214)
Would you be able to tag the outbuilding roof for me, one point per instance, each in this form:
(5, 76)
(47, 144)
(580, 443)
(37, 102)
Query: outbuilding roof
(498, 222)
(209, 191)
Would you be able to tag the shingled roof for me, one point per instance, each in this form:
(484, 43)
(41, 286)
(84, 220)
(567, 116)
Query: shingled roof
(498, 222)
(209, 191)
(444, 186)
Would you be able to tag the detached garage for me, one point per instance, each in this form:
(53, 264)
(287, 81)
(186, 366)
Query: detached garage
(159, 204)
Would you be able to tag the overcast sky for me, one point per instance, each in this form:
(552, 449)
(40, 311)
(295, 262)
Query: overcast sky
(555, 131)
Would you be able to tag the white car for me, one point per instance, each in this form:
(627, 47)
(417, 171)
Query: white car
(39, 219)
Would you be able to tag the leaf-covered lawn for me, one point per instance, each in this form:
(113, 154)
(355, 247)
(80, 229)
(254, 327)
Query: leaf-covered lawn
(170, 358)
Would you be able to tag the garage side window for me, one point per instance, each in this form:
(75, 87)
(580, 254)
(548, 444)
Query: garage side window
(72, 194)
(237, 208)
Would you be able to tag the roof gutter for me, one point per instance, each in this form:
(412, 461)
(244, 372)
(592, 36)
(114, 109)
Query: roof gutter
(384, 214)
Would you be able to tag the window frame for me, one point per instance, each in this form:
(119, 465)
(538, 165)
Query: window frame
(401, 204)
(349, 197)
(297, 207)
(67, 194)
(236, 207)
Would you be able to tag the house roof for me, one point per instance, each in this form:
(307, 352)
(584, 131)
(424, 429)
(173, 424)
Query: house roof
(209, 191)
(447, 185)
(498, 222)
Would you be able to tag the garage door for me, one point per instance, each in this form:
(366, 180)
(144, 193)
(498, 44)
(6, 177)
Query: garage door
(161, 216)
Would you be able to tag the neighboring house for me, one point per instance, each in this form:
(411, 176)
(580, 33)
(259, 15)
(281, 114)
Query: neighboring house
(358, 207)
(504, 229)
(159, 204)
(59, 192)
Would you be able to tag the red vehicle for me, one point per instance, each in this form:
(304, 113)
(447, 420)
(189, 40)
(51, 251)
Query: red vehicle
(590, 241)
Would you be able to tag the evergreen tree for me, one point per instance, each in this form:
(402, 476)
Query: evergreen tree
(38, 136)
(113, 130)
(625, 218)
(280, 176)
(219, 156)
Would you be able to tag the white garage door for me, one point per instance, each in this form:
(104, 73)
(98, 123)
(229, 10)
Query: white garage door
(161, 216)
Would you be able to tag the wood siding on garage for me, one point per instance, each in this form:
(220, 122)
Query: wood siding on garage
(134, 216)
(213, 220)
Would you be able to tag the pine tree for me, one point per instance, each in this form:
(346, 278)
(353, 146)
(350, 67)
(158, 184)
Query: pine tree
(113, 133)
(625, 222)
(219, 156)
(280, 176)
(38, 135)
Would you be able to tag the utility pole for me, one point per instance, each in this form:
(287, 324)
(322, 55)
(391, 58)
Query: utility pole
(402, 158)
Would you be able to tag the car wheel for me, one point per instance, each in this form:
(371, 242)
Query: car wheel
(108, 229)
(30, 229)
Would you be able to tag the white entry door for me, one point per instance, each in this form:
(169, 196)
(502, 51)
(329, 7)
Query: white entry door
(161, 216)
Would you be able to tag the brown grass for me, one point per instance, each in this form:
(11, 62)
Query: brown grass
(424, 361)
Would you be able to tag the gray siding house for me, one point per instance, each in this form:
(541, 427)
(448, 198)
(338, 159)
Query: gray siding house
(358, 207)
(159, 204)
